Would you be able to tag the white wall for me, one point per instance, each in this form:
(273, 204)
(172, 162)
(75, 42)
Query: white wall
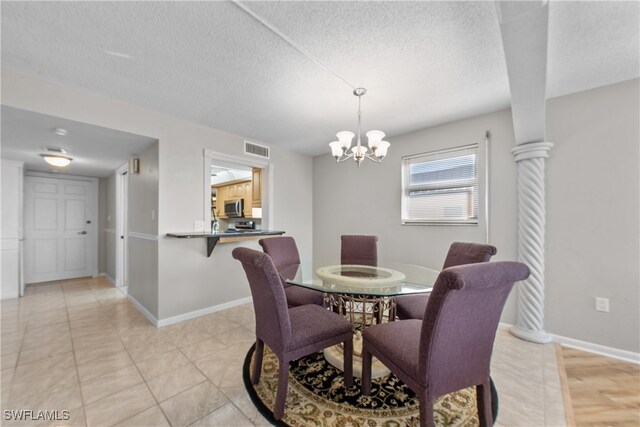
(593, 226)
(188, 280)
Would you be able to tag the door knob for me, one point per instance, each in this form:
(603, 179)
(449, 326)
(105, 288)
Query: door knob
(82, 232)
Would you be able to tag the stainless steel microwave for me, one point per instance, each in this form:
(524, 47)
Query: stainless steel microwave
(234, 208)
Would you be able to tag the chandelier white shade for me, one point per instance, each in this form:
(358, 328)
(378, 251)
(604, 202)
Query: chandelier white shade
(377, 147)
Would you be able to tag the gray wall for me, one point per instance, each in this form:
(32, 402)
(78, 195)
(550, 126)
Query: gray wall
(366, 200)
(143, 231)
(593, 187)
(592, 209)
(189, 280)
(108, 194)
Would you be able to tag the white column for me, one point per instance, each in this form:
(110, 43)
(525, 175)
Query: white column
(531, 218)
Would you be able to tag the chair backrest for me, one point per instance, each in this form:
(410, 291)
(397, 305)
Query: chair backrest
(461, 253)
(284, 253)
(269, 300)
(460, 323)
(362, 250)
(282, 250)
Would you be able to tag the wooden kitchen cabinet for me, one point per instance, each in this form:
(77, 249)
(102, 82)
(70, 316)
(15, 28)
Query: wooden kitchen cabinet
(256, 188)
(230, 191)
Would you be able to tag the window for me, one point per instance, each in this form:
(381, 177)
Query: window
(441, 187)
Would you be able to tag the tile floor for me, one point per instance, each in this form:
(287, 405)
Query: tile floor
(79, 345)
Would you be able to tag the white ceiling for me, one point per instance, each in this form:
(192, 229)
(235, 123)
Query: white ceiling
(96, 151)
(423, 63)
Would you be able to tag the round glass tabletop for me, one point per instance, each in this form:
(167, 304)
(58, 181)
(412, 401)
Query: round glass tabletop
(385, 279)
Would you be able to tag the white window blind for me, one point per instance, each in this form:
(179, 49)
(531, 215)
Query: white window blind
(441, 187)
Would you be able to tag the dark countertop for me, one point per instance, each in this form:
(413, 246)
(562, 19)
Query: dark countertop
(213, 238)
(225, 233)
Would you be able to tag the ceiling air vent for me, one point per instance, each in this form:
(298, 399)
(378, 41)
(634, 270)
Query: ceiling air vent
(254, 149)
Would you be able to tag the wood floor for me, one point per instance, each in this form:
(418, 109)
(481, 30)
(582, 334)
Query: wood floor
(603, 391)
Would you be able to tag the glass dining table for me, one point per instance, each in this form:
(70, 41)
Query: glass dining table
(364, 294)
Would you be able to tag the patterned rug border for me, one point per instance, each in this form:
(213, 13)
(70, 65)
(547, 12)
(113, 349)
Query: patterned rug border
(268, 414)
(253, 395)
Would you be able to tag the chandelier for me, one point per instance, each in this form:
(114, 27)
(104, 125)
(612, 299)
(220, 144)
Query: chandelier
(377, 147)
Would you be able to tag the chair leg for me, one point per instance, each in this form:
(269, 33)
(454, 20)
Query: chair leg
(257, 361)
(348, 362)
(426, 411)
(366, 372)
(281, 396)
(483, 394)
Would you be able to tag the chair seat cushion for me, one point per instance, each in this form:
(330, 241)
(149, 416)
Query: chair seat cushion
(398, 341)
(297, 296)
(311, 324)
(411, 306)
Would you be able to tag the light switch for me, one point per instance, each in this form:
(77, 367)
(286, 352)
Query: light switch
(602, 304)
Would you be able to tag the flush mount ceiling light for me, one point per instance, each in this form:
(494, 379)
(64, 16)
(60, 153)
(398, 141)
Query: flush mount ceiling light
(61, 131)
(56, 160)
(377, 147)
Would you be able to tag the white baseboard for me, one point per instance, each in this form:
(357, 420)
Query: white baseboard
(109, 278)
(150, 317)
(201, 312)
(614, 353)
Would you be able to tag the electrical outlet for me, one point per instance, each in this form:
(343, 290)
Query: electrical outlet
(198, 226)
(602, 304)
(153, 215)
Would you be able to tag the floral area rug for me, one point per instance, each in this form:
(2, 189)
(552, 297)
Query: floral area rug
(317, 397)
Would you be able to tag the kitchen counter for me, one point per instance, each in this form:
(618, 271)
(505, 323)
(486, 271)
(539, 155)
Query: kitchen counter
(226, 236)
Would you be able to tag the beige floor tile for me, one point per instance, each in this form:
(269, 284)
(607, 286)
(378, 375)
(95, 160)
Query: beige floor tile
(203, 349)
(10, 347)
(164, 363)
(151, 347)
(236, 336)
(152, 417)
(97, 340)
(6, 379)
(218, 327)
(32, 383)
(103, 366)
(8, 361)
(186, 337)
(63, 398)
(193, 404)
(228, 416)
(224, 368)
(119, 406)
(42, 352)
(110, 383)
(89, 354)
(240, 398)
(174, 382)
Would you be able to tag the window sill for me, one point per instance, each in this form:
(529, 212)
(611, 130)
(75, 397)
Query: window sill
(417, 222)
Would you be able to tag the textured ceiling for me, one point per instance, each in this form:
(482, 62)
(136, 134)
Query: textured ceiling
(423, 63)
(96, 151)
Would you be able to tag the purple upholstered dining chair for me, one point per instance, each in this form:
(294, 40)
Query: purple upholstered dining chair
(290, 333)
(412, 306)
(361, 250)
(451, 348)
(284, 253)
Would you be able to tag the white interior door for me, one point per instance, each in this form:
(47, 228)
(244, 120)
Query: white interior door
(60, 228)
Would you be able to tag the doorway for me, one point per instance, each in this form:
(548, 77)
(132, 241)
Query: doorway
(60, 227)
(122, 227)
